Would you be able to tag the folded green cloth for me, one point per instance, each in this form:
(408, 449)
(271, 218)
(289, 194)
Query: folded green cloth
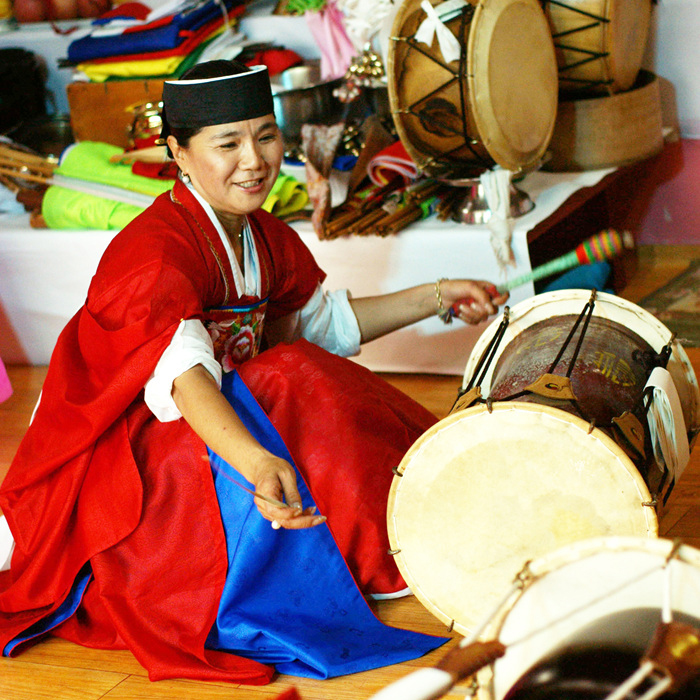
(68, 209)
(89, 160)
(64, 208)
(287, 196)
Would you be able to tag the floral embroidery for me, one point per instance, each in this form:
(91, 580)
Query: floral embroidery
(236, 333)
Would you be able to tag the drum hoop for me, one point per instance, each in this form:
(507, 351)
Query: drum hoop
(526, 313)
(603, 439)
(560, 558)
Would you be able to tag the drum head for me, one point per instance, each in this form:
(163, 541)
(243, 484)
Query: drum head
(481, 492)
(601, 591)
(607, 306)
(513, 82)
(495, 105)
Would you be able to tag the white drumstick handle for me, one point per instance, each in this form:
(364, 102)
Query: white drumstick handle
(424, 684)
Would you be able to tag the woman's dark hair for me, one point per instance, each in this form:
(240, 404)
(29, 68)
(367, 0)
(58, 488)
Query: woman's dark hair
(201, 71)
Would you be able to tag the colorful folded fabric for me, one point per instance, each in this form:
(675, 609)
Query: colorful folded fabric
(158, 65)
(389, 162)
(158, 38)
(287, 196)
(210, 30)
(89, 160)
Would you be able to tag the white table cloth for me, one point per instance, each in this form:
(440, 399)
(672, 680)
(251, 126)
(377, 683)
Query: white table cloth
(44, 276)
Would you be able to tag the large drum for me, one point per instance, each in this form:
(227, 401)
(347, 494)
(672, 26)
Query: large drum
(494, 104)
(580, 619)
(550, 444)
(599, 44)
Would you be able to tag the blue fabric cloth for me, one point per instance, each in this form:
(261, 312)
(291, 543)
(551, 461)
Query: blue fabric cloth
(62, 613)
(289, 598)
(592, 276)
(162, 38)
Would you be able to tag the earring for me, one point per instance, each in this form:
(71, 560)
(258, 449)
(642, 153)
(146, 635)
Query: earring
(185, 177)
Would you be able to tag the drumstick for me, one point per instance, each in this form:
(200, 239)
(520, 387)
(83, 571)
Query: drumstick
(254, 494)
(602, 246)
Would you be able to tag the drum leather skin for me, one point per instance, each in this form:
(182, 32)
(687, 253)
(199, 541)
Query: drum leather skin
(495, 105)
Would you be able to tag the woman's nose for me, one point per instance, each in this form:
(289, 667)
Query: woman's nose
(252, 156)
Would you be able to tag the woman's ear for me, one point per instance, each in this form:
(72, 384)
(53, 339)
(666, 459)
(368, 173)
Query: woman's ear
(177, 151)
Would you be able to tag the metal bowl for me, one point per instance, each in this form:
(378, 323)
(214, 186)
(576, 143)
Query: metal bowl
(48, 135)
(301, 97)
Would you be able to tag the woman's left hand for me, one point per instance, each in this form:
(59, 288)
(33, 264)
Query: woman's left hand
(472, 301)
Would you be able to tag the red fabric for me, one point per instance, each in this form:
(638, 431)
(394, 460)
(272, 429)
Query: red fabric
(347, 448)
(134, 10)
(98, 479)
(276, 60)
(158, 171)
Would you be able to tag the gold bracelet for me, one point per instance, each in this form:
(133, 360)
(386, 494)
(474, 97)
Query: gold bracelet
(443, 314)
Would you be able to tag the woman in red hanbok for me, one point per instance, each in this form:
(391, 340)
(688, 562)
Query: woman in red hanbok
(205, 478)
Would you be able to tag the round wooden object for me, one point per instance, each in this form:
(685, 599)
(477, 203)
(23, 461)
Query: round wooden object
(609, 131)
(599, 44)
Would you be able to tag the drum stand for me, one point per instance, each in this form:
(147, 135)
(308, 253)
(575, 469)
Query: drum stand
(467, 203)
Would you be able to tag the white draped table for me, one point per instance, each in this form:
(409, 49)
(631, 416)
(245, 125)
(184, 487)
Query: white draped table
(44, 276)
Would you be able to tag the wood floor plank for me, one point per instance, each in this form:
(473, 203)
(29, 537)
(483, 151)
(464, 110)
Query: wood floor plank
(58, 670)
(53, 651)
(21, 680)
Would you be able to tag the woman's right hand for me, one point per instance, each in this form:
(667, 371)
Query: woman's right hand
(211, 416)
(275, 478)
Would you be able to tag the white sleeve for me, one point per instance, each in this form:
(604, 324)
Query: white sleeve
(190, 346)
(327, 320)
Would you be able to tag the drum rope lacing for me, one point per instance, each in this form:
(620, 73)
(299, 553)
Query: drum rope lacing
(640, 407)
(590, 56)
(465, 18)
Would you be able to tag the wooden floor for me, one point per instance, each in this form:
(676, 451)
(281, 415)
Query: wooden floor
(58, 670)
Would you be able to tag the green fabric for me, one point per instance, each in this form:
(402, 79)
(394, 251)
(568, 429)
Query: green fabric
(63, 208)
(68, 209)
(89, 160)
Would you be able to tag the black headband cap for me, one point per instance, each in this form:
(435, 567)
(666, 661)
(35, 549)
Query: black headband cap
(204, 102)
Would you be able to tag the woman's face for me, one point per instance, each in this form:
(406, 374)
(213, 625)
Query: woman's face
(233, 166)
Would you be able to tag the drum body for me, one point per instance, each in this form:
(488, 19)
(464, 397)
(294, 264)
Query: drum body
(494, 105)
(608, 130)
(623, 325)
(599, 44)
(599, 593)
(509, 479)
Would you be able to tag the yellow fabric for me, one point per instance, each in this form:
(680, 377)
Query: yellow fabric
(99, 72)
(286, 197)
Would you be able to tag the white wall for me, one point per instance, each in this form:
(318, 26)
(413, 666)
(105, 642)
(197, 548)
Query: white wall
(674, 53)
